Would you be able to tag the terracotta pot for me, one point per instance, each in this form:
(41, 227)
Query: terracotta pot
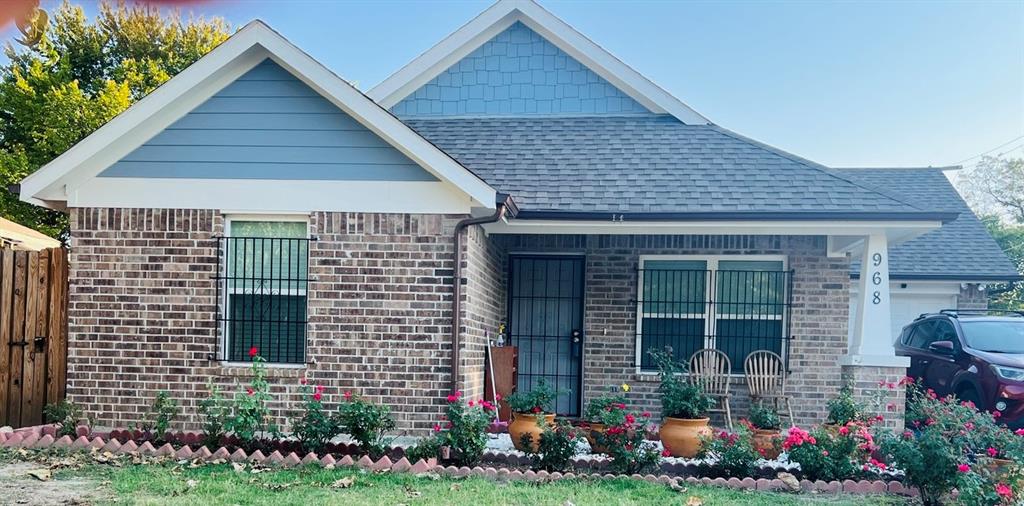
(681, 436)
(998, 467)
(764, 441)
(595, 429)
(524, 423)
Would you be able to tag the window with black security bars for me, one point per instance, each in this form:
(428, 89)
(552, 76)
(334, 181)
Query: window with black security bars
(737, 306)
(262, 299)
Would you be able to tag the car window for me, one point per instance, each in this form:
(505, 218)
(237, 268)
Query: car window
(944, 331)
(995, 336)
(922, 335)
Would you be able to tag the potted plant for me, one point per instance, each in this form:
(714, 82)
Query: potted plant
(766, 430)
(602, 412)
(685, 407)
(527, 407)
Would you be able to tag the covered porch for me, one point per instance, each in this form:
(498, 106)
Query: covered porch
(584, 309)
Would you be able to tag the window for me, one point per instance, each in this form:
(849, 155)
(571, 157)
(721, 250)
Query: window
(264, 271)
(734, 304)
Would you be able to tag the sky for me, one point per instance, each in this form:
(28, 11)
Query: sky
(846, 84)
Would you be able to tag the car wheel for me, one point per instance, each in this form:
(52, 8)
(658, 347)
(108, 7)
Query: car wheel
(969, 394)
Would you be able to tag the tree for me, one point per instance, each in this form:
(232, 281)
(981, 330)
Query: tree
(995, 189)
(1010, 238)
(77, 77)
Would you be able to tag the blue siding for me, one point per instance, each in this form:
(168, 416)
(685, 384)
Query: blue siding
(268, 125)
(517, 72)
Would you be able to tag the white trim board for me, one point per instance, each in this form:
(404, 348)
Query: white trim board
(500, 16)
(54, 182)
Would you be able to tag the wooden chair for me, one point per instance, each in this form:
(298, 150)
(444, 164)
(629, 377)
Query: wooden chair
(710, 369)
(766, 380)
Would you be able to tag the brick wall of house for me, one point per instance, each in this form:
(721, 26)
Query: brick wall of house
(819, 316)
(483, 306)
(142, 310)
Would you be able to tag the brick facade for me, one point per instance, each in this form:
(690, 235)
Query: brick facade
(143, 303)
(142, 311)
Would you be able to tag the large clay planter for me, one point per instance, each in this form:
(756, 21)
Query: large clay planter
(523, 423)
(764, 441)
(595, 429)
(681, 436)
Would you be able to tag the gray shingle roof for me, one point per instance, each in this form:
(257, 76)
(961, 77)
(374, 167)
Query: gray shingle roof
(960, 250)
(646, 164)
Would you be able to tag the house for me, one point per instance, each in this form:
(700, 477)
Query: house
(259, 200)
(20, 237)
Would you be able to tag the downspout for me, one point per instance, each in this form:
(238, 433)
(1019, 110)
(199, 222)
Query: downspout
(499, 213)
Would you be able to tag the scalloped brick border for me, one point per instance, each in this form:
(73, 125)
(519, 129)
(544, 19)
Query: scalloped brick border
(44, 436)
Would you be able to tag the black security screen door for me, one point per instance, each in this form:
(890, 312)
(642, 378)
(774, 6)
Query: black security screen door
(546, 323)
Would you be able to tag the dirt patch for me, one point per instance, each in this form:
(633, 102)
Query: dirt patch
(17, 486)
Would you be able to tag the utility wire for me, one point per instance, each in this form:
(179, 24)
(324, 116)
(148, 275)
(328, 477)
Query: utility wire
(1011, 141)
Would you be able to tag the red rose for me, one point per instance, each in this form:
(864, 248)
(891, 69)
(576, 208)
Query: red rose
(963, 468)
(320, 389)
(317, 396)
(666, 453)
(303, 381)
(249, 390)
(253, 352)
(348, 396)
(536, 409)
(630, 419)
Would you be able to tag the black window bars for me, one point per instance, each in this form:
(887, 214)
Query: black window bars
(736, 312)
(262, 298)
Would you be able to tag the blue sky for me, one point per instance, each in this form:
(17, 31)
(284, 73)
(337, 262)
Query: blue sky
(907, 83)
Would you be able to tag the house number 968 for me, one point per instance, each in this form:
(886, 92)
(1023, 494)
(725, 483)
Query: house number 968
(876, 278)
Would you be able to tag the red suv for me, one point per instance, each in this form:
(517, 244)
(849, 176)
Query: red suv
(977, 355)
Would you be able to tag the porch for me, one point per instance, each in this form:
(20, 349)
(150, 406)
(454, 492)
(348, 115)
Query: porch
(584, 310)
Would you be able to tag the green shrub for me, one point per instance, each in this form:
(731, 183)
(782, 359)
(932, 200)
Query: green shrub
(624, 437)
(367, 423)
(844, 408)
(424, 449)
(535, 401)
(251, 417)
(67, 415)
(557, 446)
(315, 426)
(160, 415)
(679, 398)
(599, 406)
(215, 411)
(733, 453)
(764, 418)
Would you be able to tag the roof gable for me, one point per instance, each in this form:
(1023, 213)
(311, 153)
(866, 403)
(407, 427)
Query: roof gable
(517, 72)
(499, 18)
(268, 124)
(188, 90)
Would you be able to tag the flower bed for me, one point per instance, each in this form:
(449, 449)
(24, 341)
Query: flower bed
(503, 465)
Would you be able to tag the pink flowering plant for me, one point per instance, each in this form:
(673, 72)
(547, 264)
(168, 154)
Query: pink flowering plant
(832, 455)
(463, 433)
(948, 444)
(315, 426)
(251, 418)
(732, 453)
(625, 439)
(557, 447)
(602, 406)
(366, 422)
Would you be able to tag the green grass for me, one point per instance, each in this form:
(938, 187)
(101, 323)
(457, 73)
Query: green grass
(221, 484)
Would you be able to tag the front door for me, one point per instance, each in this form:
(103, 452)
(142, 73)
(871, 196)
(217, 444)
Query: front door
(545, 315)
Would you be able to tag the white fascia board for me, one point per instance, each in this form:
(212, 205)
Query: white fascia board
(500, 16)
(816, 227)
(211, 73)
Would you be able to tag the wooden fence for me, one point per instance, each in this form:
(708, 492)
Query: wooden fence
(33, 333)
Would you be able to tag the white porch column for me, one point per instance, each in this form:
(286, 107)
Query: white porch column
(871, 357)
(870, 343)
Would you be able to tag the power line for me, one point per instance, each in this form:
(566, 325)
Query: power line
(991, 150)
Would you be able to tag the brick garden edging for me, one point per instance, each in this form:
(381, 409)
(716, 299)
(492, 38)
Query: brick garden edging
(43, 437)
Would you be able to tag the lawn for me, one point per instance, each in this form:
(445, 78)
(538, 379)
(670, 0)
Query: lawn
(222, 484)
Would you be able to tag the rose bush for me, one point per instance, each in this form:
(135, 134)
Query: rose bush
(367, 423)
(732, 453)
(315, 426)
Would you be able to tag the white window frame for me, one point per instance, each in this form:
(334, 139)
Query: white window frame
(223, 326)
(710, 319)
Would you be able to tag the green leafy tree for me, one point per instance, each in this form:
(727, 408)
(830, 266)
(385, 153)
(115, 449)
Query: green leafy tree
(1010, 237)
(79, 75)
